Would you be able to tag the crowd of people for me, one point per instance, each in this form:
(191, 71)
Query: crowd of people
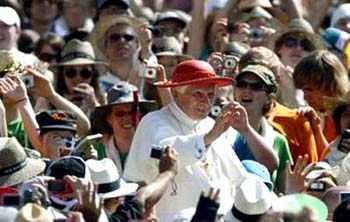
(174, 110)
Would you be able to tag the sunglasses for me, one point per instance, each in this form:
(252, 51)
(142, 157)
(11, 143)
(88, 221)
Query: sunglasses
(116, 37)
(293, 42)
(256, 86)
(47, 57)
(84, 73)
(123, 113)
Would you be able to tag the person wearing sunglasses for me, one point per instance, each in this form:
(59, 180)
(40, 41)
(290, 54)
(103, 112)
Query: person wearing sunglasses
(255, 90)
(118, 119)
(77, 75)
(296, 42)
(124, 42)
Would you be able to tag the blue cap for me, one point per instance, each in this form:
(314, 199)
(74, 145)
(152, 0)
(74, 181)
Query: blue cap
(335, 37)
(259, 170)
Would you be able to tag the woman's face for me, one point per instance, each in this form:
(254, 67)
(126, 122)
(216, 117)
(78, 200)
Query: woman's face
(120, 120)
(345, 119)
(314, 96)
(76, 74)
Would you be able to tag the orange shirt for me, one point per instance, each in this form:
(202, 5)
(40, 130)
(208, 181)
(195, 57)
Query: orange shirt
(296, 129)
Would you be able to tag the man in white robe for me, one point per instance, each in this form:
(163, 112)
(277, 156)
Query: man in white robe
(204, 145)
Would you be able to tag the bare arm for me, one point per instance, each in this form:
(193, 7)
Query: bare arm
(294, 9)
(262, 152)
(197, 28)
(168, 166)
(14, 90)
(3, 123)
(43, 87)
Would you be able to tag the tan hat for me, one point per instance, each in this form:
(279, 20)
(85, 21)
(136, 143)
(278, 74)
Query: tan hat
(299, 27)
(77, 52)
(98, 34)
(34, 213)
(15, 166)
(169, 46)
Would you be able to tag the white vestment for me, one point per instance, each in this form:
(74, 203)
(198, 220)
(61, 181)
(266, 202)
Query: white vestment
(200, 167)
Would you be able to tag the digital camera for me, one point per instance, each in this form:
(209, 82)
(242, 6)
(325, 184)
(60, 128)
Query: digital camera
(156, 151)
(27, 79)
(317, 186)
(229, 62)
(150, 73)
(58, 186)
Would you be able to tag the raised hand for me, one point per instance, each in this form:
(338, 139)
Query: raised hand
(296, 178)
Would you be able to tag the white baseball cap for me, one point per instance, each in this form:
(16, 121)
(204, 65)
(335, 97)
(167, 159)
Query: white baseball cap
(9, 16)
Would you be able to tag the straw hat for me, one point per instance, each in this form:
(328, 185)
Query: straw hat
(110, 184)
(34, 213)
(299, 27)
(121, 93)
(77, 52)
(195, 72)
(98, 34)
(15, 166)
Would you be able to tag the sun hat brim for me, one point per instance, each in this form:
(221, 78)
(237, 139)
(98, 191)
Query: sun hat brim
(218, 81)
(99, 116)
(101, 67)
(32, 168)
(125, 189)
(314, 39)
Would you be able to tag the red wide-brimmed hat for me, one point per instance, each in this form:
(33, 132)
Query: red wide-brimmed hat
(195, 72)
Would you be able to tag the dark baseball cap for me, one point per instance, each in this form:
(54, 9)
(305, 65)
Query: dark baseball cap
(104, 3)
(56, 120)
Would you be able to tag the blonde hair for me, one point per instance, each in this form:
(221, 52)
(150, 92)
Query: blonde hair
(325, 71)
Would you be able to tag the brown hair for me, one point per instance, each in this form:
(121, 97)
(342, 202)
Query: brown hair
(324, 70)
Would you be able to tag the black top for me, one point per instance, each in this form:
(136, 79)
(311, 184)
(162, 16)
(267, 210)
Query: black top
(130, 210)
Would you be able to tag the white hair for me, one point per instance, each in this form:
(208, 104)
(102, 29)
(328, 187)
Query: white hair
(181, 89)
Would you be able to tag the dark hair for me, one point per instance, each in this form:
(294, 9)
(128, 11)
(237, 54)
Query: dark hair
(52, 39)
(61, 88)
(27, 4)
(342, 212)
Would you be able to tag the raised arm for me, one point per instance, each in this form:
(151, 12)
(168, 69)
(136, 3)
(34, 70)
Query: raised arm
(262, 152)
(168, 166)
(196, 30)
(3, 125)
(43, 87)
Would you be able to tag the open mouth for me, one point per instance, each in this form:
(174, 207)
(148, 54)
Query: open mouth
(126, 126)
(246, 100)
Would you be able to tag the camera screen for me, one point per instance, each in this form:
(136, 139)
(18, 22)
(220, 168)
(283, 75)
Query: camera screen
(319, 185)
(11, 200)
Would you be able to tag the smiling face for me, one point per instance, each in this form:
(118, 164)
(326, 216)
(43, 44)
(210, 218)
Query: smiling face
(120, 120)
(251, 93)
(196, 100)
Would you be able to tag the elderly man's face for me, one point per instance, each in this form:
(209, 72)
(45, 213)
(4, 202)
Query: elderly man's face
(120, 43)
(8, 36)
(196, 101)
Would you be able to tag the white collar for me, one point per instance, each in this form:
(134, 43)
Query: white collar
(181, 116)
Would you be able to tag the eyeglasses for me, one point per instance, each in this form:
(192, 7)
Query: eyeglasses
(256, 86)
(292, 42)
(117, 37)
(47, 57)
(84, 73)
